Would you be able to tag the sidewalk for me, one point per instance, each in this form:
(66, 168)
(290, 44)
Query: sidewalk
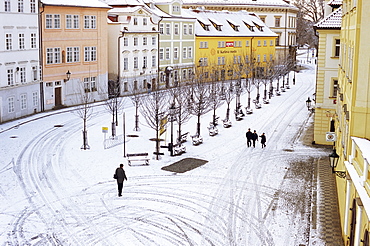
(325, 223)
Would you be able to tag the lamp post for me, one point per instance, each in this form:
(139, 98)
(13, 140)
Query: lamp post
(334, 157)
(295, 70)
(308, 104)
(172, 119)
(68, 73)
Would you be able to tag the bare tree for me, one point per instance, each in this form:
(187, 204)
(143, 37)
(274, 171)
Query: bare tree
(215, 93)
(115, 103)
(84, 110)
(180, 95)
(135, 96)
(152, 107)
(198, 102)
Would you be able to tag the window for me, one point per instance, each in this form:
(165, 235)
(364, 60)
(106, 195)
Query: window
(125, 64)
(168, 29)
(190, 52)
(90, 22)
(90, 54)
(56, 21)
(52, 55)
(264, 58)
(203, 62)
(277, 21)
(154, 41)
(135, 21)
(184, 53)
(176, 31)
(35, 99)
(21, 41)
(264, 43)
(259, 43)
(34, 73)
(176, 53)
(11, 104)
(154, 61)
(145, 21)
(247, 59)
(190, 29)
(33, 41)
(145, 62)
(185, 29)
(176, 8)
(145, 40)
(8, 41)
(136, 62)
(221, 60)
(161, 53)
(271, 43)
(204, 45)
(125, 41)
(258, 58)
(22, 74)
(72, 22)
(20, 6)
(73, 54)
(335, 88)
(49, 21)
(184, 74)
(86, 85)
(33, 6)
(7, 5)
(167, 53)
(337, 48)
(271, 57)
(263, 18)
(23, 101)
(93, 83)
(161, 27)
(247, 43)
(136, 41)
(10, 76)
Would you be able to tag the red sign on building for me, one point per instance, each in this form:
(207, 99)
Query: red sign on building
(229, 44)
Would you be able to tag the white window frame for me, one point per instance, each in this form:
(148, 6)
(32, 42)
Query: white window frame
(11, 102)
(10, 76)
(168, 56)
(8, 41)
(23, 101)
(33, 41)
(125, 64)
(35, 99)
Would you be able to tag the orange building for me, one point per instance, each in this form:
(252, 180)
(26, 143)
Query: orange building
(74, 51)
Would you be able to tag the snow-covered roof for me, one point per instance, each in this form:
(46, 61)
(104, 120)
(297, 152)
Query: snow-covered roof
(335, 3)
(332, 21)
(228, 21)
(77, 3)
(124, 2)
(280, 3)
(124, 10)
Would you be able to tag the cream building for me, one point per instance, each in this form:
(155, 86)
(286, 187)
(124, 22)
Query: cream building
(75, 51)
(352, 123)
(327, 73)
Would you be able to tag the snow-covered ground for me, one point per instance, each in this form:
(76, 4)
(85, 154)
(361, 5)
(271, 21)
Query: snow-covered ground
(54, 193)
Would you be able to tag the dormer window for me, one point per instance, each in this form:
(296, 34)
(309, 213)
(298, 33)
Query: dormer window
(260, 28)
(217, 26)
(234, 26)
(250, 27)
(205, 26)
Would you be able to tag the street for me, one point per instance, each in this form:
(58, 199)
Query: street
(54, 193)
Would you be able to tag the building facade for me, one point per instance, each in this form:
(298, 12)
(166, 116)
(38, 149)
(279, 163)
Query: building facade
(19, 59)
(278, 15)
(226, 40)
(352, 123)
(327, 73)
(75, 52)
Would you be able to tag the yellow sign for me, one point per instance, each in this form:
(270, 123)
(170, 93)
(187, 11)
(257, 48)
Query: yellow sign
(104, 129)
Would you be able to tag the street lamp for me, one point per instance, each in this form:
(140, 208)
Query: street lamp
(308, 103)
(68, 73)
(172, 119)
(334, 157)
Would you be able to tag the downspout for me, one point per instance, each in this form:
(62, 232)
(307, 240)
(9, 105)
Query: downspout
(158, 44)
(42, 101)
(286, 41)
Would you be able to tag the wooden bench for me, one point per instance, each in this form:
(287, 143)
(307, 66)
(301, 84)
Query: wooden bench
(226, 123)
(178, 149)
(213, 131)
(196, 139)
(138, 157)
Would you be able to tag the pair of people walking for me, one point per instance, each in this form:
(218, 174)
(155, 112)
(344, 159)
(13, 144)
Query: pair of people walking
(252, 137)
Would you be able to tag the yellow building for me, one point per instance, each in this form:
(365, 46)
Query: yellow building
(353, 123)
(327, 73)
(224, 40)
(74, 42)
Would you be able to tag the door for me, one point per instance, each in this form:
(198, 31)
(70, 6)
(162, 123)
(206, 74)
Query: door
(353, 224)
(58, 96)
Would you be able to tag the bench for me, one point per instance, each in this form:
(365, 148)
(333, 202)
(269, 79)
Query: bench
(184, 137)
(248, 110)
(138, 157)
(212, 130)
(278, 93)
(266, 101)
(196, 139)
(227, 123)
(178, 149)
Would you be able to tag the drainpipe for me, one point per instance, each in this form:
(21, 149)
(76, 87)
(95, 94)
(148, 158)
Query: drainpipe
(158, 44)
(286, 41)
(42, 95)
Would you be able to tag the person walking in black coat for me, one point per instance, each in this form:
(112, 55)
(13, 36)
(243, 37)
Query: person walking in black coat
(263, 140)
(249, 136)
(254, 138)
(120, 175)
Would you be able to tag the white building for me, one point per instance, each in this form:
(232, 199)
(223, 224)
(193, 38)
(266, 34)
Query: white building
(19, 59)
(133, 45)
